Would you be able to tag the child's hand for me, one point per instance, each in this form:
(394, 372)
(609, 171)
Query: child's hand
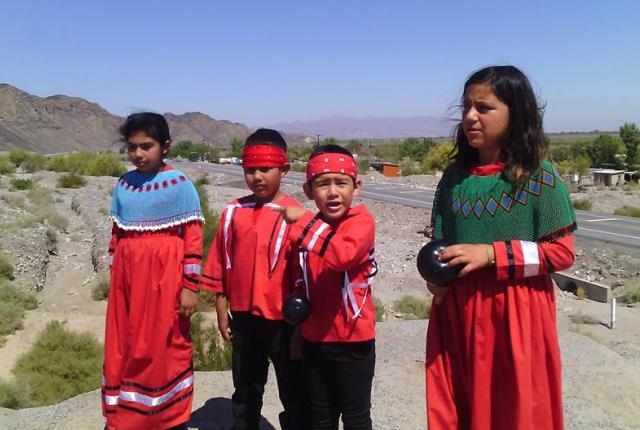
(223, 317)
(188, 302)
(290, 214)
(295, 345)
(473, 256)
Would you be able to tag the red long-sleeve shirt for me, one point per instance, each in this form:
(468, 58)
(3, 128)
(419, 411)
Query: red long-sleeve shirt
(339, 266)
(251, 261)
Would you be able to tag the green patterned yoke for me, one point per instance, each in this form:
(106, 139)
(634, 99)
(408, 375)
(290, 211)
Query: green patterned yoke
(485, 209)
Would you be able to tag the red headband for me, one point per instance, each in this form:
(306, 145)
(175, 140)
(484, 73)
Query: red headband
(331, 162)
(264, 156)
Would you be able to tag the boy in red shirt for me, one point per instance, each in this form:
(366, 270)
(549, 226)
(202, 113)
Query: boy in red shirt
(338, 262)
(252, 269)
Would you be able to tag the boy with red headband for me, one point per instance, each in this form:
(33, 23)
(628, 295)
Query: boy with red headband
(338, 262)
(252, 269)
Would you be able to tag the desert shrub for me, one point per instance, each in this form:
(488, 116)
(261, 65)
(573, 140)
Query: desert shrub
(13, 304)
(71, 180)
(582, 204)
(12, 395)
(61, 364)
(211, 219)
(6, 269)
(58, 163)
(108, 164)
(18, 156)
(628, 211)
(52, 239)
(101, 290)
(409, 168)
(40, 197)
(210, 352)
(379, 307)
(206, 300)
(633, 295)
(34, 163)
(202, 180)
(6, 166)
(412, 307)
(21, 184)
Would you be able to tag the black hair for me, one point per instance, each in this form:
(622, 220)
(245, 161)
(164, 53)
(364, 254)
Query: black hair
(524, 145)
(266, 136)
(330, 149)
(152, 124)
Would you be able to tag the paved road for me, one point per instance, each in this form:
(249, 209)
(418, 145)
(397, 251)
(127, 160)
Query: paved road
(612, 229)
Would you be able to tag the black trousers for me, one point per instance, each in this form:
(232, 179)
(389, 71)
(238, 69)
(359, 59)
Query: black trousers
(339, 377)
(255, 341)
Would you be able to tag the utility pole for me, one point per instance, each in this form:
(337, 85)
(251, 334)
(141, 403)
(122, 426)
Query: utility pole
(318, 141)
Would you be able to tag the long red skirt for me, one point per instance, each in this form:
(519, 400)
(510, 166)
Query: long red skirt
(148, 373)
(493, 358)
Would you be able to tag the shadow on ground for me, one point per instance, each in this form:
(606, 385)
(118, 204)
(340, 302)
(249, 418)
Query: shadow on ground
(216, 414)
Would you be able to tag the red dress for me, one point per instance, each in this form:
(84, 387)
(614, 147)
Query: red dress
(493, 358)
(148, 373)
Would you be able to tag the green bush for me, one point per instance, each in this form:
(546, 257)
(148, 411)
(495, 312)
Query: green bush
(6, 269)
(412, 307)
(582, 204)
(628, 211)
(101, 290)
(21, 184)
(6, 166)
(633, 295)
(13, 304)
(211, 219)
(71, 180)
(18, 156)
(58, 163)
(12, 395)
(108, 164)
(379, 309)
(210, 352)
(60, 365)
(34, 163)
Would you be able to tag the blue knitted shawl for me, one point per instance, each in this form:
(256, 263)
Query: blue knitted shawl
(153, 201)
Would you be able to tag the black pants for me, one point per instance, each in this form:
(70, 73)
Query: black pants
(255, 341)
(339, 377)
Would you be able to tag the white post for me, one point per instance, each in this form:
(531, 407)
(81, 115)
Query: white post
(612, 322)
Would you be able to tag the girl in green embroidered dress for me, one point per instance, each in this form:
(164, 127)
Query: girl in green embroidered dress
(508, 215)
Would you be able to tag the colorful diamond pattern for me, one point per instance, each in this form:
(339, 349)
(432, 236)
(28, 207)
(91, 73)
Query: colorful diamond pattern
(506, 201)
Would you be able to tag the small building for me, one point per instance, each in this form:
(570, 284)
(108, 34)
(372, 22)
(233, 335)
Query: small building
(608, 177)
(387, 169)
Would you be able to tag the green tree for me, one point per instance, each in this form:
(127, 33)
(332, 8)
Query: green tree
(630, 136)
(18, 156)
(236, 147)
(354, 146)
(603, 150)
(416, 148)
(330, 141)
(437, 158)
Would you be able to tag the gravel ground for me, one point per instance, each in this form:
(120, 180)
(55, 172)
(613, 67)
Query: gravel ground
(601, 367)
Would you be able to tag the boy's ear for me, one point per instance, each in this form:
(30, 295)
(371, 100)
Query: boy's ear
(284, 169)
(357, 185)
(307, 190)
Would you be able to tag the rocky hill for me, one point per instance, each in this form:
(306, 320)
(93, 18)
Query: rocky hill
(60, 124)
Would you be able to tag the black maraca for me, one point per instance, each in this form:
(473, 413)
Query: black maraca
(296, 309)
(433, 270)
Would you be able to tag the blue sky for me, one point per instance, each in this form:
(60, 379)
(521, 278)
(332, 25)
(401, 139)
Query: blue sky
(263, 62)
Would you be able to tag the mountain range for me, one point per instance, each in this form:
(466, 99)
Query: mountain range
(347, 128)
(62, 123)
